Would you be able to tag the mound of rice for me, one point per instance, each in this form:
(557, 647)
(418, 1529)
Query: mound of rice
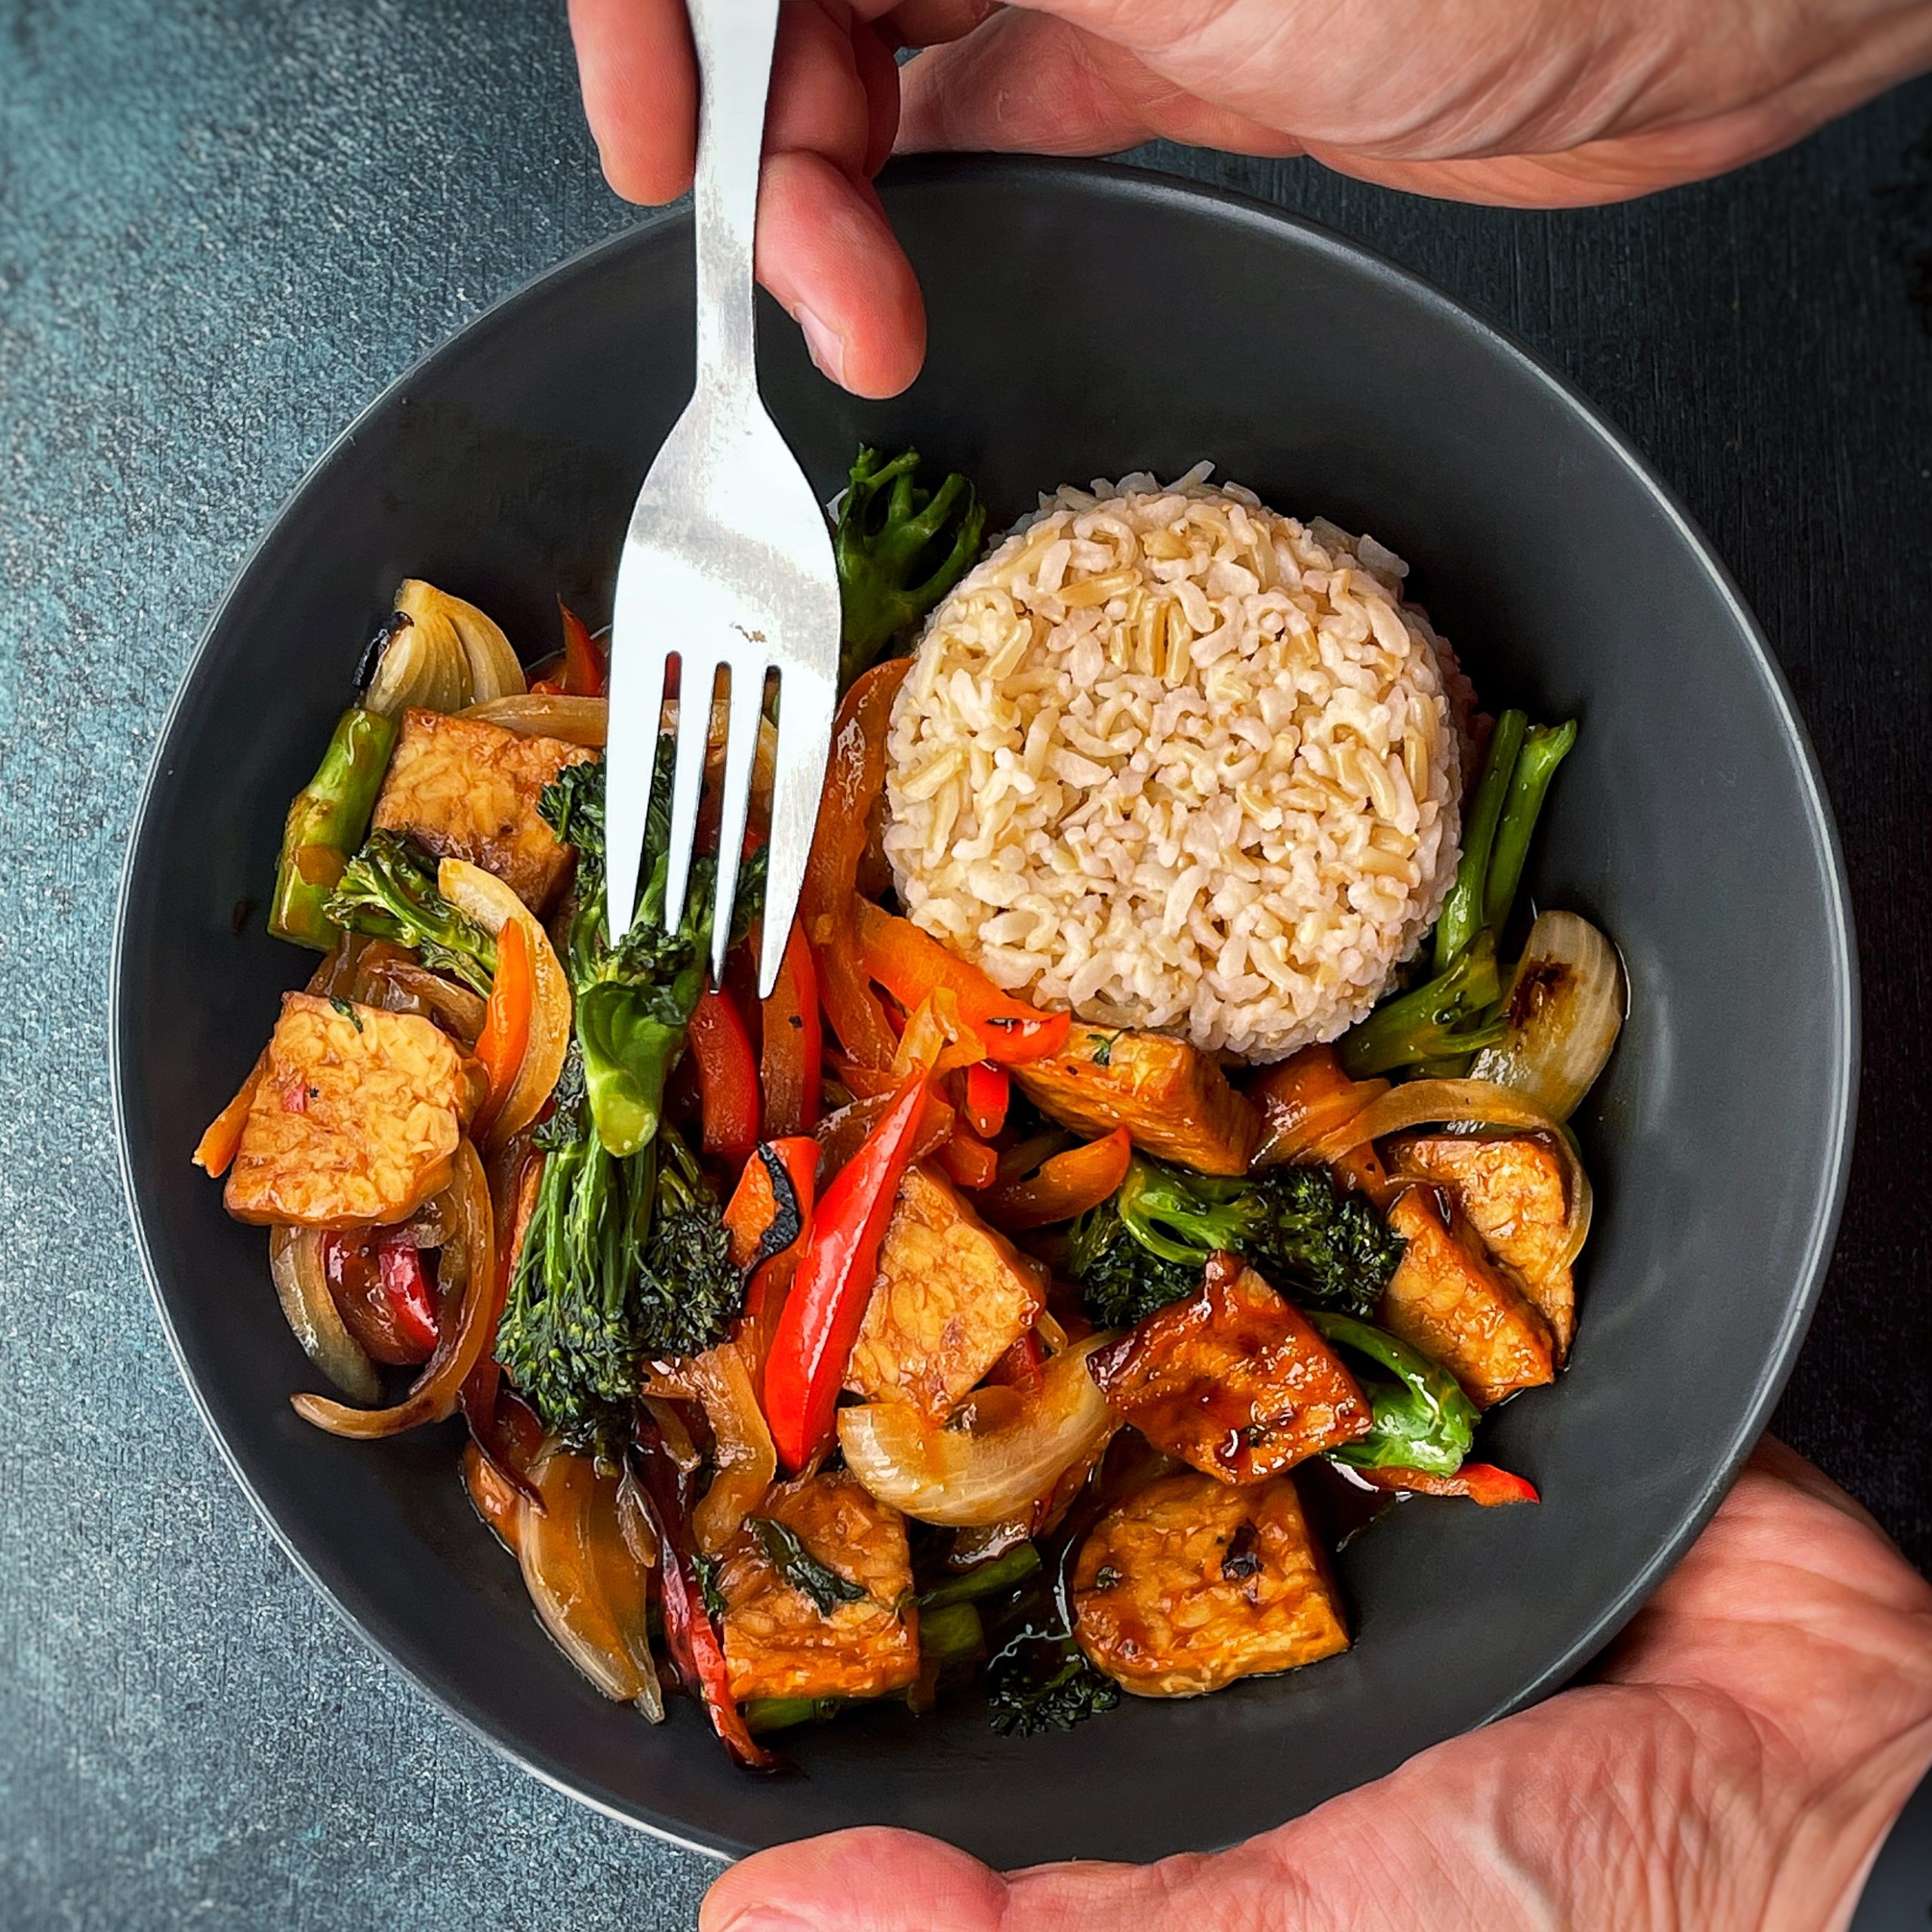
(1172, 760)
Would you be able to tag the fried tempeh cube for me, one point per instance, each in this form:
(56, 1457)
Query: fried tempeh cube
(356, 1120)
(1190, 1584)
(778, 1643)
(1232, 1380)
(1511, 1191)
(1171, 1098)
(952, 1296)
(466, 788)
(1449, 1299)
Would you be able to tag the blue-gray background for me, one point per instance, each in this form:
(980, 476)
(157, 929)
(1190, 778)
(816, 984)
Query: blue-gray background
(224, 226)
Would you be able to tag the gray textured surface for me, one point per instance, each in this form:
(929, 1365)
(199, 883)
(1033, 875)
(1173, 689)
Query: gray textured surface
(223, 227)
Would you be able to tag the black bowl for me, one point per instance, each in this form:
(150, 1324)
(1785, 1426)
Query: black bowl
(1085, 321)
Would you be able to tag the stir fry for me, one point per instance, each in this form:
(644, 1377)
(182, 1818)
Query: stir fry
(961, 1320)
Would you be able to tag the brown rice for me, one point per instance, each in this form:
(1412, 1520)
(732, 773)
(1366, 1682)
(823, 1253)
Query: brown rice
(1172, 760)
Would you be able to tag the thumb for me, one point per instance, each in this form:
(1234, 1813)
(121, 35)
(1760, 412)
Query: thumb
(871, 1880)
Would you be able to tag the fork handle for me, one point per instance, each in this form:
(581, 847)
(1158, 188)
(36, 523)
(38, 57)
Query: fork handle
(735, 40)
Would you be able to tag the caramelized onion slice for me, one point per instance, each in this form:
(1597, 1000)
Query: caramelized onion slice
(295, 1260)
(468, 1266)
(576, 721)
(588, 1589)
(965, 1478)
(741, 1446)
(1564, 1008)
(1478, 1103)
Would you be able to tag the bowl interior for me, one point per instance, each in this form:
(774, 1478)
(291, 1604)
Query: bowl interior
(1084, 322)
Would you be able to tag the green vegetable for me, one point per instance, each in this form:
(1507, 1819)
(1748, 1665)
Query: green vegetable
(765, 1714)
(1544, 747)
(900, 549)
(389, 891)
(801, 1568)
(951, 1636)
(624, 1259)
(326, 822)
(1423, 1420)
(1003, 1573)
(1314, 1241)
(1041, 1681)
(707, 1568)
(687, 1294)
(634, 1002)
(1462, 911)
(1121, 1282)
(1455, 1013)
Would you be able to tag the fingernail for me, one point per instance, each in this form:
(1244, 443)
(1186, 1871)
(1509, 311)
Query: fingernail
(827, 350)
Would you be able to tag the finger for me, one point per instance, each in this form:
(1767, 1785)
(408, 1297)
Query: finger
(639, 76)
(932, 23)
(878, 75)
(868, 1880)
(876, 1880)
(819, 102)
(827, 252)
(1028, 83)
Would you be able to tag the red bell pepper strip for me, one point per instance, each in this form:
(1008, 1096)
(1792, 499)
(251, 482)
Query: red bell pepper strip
(726, 1077)
(853, 779)
(586, 674)
(506, 1033)
(827, 1304)
(841, 1134)
(911, 965)
(1480, 1482)
(690, 1635)
(988, 1093)
(407, 1290)
(968, 1160)
(772, 1202)
(1021, 1366)
(793, 1061)
(1066, 1185)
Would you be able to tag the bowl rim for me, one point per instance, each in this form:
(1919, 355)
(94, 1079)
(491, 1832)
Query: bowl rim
(1221, 205)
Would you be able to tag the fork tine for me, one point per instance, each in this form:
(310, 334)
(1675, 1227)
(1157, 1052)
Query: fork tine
(630, 765)
(697, 684)
(807, 700)
(734, 802)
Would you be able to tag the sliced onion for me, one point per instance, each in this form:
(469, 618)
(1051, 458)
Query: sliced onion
(295, 1260)
(967, 1479)
(741, 1446)
(588, 1589)
(468, 1270)
(577, 720)
(1565, 1007)
(494, 1497)
(1480, 1104)
(389, 978)
(484, 897)
(422, 667)
(494, 672)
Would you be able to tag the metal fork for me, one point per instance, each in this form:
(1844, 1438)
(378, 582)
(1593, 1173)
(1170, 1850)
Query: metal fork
(728, 564)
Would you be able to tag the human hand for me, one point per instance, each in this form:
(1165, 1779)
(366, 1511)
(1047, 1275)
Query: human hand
(1538, 102)
(1734, 1767)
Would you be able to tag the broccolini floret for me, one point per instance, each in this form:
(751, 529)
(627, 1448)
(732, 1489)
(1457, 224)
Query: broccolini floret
(1042, 1681)
(1313, 1241)
(900, 549)
(388, 890)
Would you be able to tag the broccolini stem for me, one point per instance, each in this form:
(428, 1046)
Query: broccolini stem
(1462, 911)
(1451, 1015)
(1544, 747)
